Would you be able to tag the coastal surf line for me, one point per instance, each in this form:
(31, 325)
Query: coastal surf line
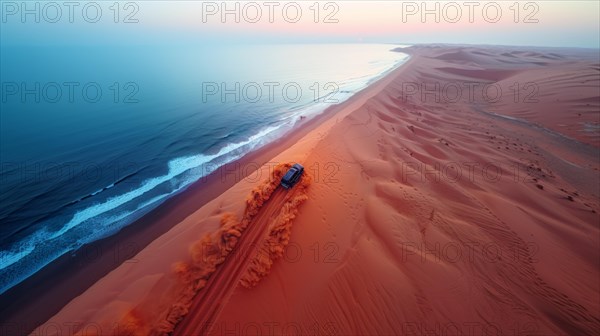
(112, 209)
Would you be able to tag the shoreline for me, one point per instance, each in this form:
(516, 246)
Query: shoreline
(388, 194)
(39, 297)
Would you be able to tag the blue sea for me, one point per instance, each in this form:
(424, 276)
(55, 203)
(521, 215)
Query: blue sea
(93, 137)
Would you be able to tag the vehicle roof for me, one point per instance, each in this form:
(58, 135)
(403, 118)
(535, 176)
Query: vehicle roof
(290, 173)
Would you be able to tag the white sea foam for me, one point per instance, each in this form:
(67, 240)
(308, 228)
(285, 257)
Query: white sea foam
(110, 215)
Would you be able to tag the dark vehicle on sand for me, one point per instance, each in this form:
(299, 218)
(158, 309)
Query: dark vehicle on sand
(292, 176)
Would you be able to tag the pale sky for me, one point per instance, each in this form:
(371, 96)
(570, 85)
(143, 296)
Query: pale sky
(540, 23)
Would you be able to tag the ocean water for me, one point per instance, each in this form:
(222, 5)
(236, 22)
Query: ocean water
(91, 138)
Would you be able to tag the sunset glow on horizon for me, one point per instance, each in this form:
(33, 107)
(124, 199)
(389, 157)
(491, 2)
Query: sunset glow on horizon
(549, 23)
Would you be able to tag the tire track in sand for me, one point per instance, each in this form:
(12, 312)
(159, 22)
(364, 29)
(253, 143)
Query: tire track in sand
(209, 302)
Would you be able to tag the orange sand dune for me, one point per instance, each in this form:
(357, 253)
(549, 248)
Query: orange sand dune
(219, 260)
(425, 216)
(443, 218)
